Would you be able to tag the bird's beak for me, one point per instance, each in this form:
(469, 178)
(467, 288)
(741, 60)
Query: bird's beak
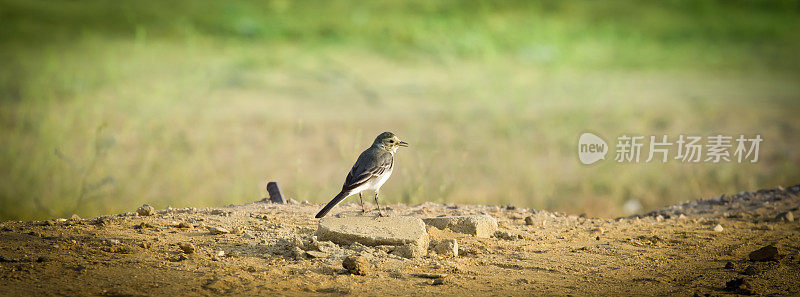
(403, 143)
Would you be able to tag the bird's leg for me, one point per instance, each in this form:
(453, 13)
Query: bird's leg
(380, 214)
(362, 203)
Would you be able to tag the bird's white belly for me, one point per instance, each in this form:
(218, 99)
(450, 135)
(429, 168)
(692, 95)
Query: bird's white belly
(376, 183)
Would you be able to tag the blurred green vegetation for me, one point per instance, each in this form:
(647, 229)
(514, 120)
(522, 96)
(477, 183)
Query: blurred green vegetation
(105, 105)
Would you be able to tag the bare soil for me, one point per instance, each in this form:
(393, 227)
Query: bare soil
(671, 251)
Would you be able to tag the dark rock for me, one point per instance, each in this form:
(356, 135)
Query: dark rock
(739, 286)
(767, 253)
(529, 220)
(275, 195)
(356, 264)
(430, 275)
(438, 281)
(750, 270)
(729, 265)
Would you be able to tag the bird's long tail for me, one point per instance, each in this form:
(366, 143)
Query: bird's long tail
(334, 202)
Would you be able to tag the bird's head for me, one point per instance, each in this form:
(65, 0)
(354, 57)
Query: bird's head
(389, 142)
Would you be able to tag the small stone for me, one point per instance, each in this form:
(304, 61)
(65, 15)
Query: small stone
(220, 253)
(112, 241)
(430, 275)
(61, 220)
(218, 230)
(186, 247)
(236, 230)
(144, 245)
(659, 218)
(317, 254)
(788, 216)
(356, 264)
(479, 225)
(292, 201)
(409, 251)
(729, 265)
(529, 220)
(184, 225)
(599, 230)
(750, 270)
(718, 228)
(767, 253)
(682, 217)
(298, 253)
(145, 210)
(438, 281)
(75, 217)
(446, 247)
(505, 235)
(739, 286)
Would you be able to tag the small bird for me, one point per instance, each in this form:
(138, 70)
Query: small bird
(372, 169)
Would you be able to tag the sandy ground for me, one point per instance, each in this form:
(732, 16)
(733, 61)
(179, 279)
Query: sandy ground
(671, 251)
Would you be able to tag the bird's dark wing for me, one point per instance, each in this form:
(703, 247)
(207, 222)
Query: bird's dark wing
(370, 164)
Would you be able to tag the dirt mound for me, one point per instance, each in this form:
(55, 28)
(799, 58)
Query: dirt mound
(701, 247)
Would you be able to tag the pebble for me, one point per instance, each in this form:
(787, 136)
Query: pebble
(75, 217)
(145, 210)
(297, 253)
(729, 265)
(718, 228)
(430, 275)
(504, 235)
(446, 247)
(438, 281)
(767, 253)
(789, 216)
(218, 230)
(529, 220)
(187, 247)
(220, 253)
(144, 245)
(659, 218)
(750, 270)
(184, 225)
(317, 254)
(739, 286)
(356, 264)
(112, 241)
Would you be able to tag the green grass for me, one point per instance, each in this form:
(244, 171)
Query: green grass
(106, 105)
